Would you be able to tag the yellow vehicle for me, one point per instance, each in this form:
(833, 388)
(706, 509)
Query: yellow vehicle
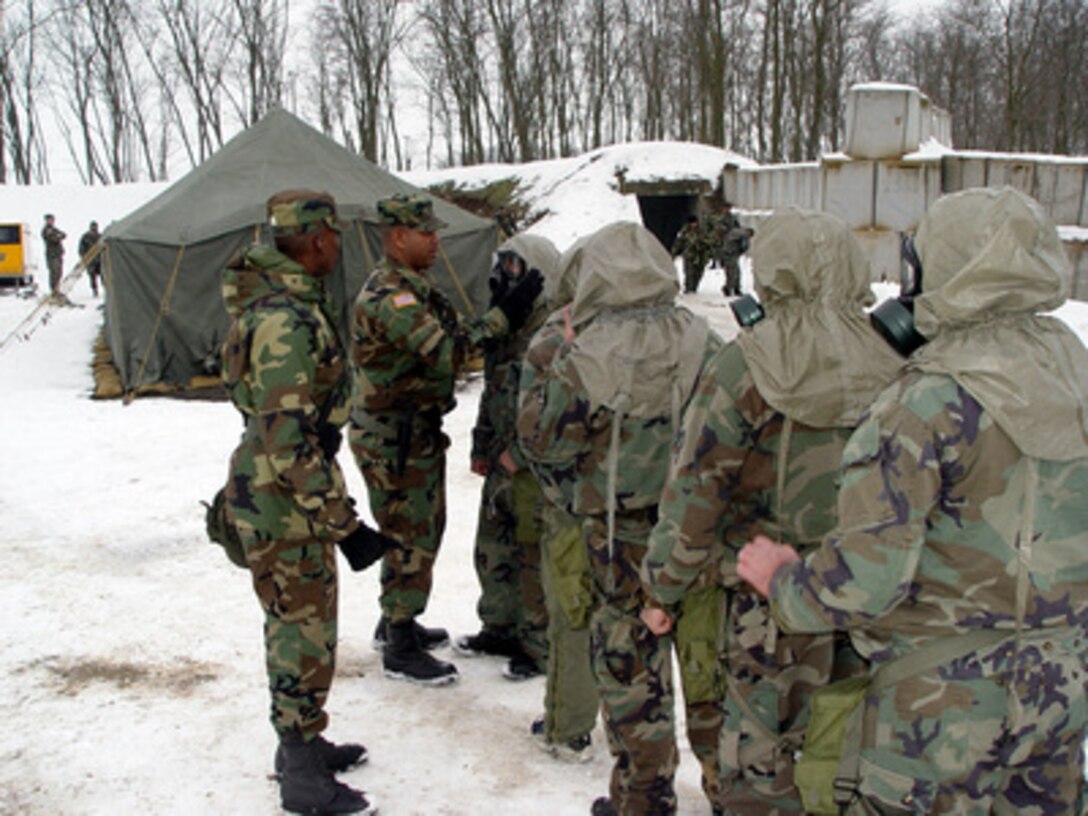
(14, 270)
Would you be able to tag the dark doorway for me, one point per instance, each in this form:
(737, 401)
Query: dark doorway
(664, 215)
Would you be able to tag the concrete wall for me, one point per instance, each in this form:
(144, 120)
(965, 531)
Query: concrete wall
(881, 192)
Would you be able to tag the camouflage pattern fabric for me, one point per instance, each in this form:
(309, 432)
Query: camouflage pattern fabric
(569, 441)
(633, 669)
(694, 243)
(937, 535)
(507, 546)
(54, 255)
(723, 232)
(723, 488)
(414, 211)
(408, 345)
(282, 365)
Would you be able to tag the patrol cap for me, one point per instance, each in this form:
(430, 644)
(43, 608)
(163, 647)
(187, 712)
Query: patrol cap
(293, 212)
(412, 211)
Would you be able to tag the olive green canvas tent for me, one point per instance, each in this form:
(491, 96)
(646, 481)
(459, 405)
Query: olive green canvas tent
(165, 318)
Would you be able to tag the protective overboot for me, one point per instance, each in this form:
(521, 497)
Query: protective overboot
(337, 758)
(307, 785)
(430, 637)
(602, 806)
(405, 659)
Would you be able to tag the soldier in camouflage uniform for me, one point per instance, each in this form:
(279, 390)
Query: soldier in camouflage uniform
(408, 346)
(694, 244)
(607, 410)
(728, 241)
(759, 450)
(507, 553)
(287, 373)
(960, 558)
(54, 252)
(570, 695)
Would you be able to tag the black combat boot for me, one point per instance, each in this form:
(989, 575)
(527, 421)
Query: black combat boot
(493, 642)
(307, 785)
(430, 638)
(602, 806)
(337, 758)
(405, 659)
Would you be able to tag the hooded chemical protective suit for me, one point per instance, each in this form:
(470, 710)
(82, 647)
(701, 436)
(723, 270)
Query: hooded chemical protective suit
(759, 451)
(960, 560)
(507, 554)
(605, 414)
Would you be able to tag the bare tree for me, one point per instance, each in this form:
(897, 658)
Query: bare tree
(262, 30)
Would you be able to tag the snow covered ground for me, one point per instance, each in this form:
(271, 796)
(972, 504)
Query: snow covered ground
(131, 666)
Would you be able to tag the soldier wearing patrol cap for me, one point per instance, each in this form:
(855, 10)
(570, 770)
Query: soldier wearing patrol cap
(287, 373)
(408, 346)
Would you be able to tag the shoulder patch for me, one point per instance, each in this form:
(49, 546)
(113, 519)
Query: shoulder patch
(404, 299)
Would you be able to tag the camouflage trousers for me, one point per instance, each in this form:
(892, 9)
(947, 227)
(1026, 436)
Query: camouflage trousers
(55, 264)
(507, 558)
(693, 273)
(570, 694)
(1009, 742)
(409, 505)
(295, 583)
(633, 669)
(771, 678)
(731, 266)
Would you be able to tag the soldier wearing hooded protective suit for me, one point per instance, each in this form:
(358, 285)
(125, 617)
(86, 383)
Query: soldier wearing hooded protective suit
(959, 563)
(759, 450)
(570, 695)
(507, 553)
(608, 408)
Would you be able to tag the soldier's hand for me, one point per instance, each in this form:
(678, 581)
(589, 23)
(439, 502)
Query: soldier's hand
(568, 324)
(479, 467)
(656, 620)
(508, 463)
(365, 546)
(760, 559)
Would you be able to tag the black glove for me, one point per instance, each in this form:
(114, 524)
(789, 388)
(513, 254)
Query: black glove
(517, 304)
(365, 546)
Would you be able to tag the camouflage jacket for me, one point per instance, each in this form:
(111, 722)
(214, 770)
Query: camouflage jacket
(938, 531)
(54, 242)
(738, 467)
(555, 474)
(694, 243)
(561, 431)
(285, 369)
(409, 342)
(495, 431)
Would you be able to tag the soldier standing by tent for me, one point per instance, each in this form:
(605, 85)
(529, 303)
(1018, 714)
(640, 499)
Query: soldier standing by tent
(408, 346)
(287, 373)
(87, 242)
(54, 252)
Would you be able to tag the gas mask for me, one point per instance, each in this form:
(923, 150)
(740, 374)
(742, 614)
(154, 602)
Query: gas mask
(894, 318)
(507, 268)
(747, 311)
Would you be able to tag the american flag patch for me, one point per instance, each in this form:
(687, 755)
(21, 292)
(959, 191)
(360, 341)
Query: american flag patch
(403, 299)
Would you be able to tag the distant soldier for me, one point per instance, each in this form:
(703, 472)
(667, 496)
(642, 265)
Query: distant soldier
(87, 242)
(287, 373)
(507, 552)
(729, 241)
(693, 245)
(54, 252)
(959, 563)
(408, 346)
